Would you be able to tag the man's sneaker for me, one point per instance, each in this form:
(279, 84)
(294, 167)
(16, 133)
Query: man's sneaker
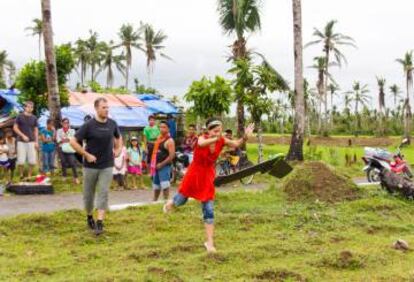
(91, 223)
(99, 228)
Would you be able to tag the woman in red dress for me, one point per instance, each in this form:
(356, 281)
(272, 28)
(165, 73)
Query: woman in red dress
(198, 182)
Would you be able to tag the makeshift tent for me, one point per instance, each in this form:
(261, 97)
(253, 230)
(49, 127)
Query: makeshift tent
(8, 101)
(127, 110)
(156, 105)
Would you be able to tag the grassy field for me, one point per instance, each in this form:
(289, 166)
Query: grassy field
(334, 156)
(260, 237)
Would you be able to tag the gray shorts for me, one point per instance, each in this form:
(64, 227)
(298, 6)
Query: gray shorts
(96, 181)
(26, 152)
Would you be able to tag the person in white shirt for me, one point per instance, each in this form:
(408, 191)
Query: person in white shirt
(120, 168)
(4, 158)
(68, 158)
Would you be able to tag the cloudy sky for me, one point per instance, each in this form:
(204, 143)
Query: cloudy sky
(382, 30)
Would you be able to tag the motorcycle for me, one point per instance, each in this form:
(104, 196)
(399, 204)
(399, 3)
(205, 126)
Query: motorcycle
(180, 165)
(392, 162)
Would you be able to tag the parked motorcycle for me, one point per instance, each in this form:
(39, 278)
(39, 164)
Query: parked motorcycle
(180, 165)
(389, 161)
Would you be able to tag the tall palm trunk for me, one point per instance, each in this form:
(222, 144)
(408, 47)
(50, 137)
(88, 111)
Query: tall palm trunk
(407, 115)
(258, 125)
(320, 85)
(109, 78)
(129, 64)
(325, 93)
(239, 52)
(296, 144)
(51, 72)
(40, 47)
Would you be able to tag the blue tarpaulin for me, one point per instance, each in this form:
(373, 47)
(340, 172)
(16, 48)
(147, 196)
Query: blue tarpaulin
(126, 117)
(156, 105)
(10, 97)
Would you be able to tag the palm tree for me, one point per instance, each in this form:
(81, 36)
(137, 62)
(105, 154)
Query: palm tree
(381, 104)
(395, 92)
(95, 49)
(37, 30)
(296, 143)
(320, 66)
(407, 64)
(333, 89)
(152, 43)
(6, 66)
(82, 58)
(51, 71)
(129, 40)
(359, 96)
(110, 61)
(238, 17)
(331, 41)
(381, 95)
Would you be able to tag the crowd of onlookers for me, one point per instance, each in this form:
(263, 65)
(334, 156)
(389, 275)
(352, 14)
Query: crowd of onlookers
(21, 145)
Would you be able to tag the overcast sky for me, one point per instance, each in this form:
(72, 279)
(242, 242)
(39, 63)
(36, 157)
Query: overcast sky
(382, 30)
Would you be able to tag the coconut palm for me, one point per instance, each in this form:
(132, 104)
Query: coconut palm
(395, 92)
(359, 96)
(333, 89)
(6, 66)
(82, 58)
(381, 103)
(407, 64)
(381, 95)
(239, 17)
(95, 49)
(331, 41)
(129, 39)
(110, 60)
(51, 70)
(320, 66)
(296, 143)
(37, 30)
(152, 44)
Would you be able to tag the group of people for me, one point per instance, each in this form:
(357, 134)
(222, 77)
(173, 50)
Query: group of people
(105, 157)
(104, 145)
(19, 146)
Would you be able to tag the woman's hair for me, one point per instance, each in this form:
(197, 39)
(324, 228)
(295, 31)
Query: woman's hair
(212, 123)
(165, 123)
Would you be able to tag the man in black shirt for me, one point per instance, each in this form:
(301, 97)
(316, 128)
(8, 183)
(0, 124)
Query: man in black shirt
(103, 143)
(27, 131)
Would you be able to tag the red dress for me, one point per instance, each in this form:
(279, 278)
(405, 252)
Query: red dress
(198, 182)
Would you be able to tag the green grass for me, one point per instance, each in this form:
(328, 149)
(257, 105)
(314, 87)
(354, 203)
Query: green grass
(334, 156)
(259, 235)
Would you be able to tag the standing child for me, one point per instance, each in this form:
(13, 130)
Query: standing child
(12, 155)
(4, 159)
(48, 137)
(120, 167)
(134, 163)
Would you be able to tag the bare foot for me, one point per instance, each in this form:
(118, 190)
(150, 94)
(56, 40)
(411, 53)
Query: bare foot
(168, 206)
(210, 248)
(76, 181)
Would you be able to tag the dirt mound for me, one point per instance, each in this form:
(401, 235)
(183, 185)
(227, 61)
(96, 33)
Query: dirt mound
(312, 181)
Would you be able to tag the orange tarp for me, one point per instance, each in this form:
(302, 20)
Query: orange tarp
(79, 99)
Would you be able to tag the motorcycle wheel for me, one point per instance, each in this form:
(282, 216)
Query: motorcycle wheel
(249, 179)
(373, 175)
(221, 169)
